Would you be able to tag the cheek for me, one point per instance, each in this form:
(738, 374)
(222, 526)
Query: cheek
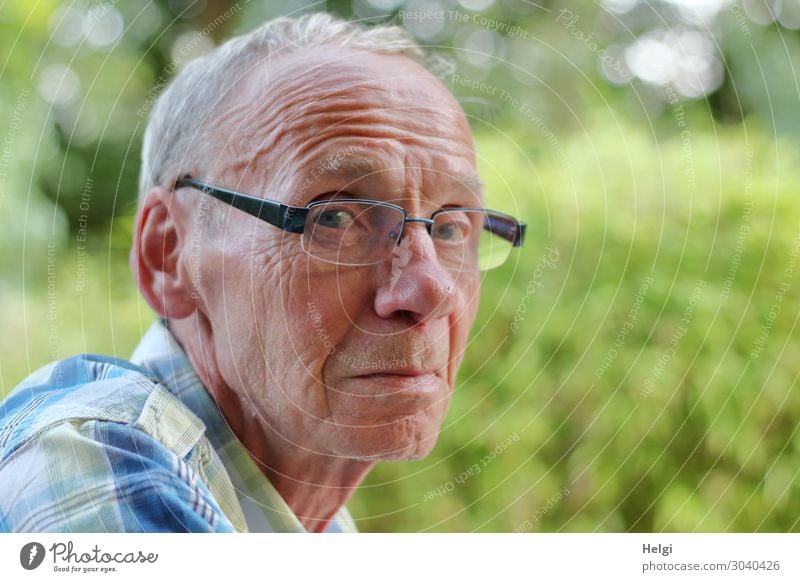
(325, 306)
(471, 302)
(242, 296)
(460, 326)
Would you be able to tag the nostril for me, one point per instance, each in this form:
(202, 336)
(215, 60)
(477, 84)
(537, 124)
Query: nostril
(407, 314)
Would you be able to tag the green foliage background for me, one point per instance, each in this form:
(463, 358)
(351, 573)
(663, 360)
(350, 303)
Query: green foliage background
(650, 380)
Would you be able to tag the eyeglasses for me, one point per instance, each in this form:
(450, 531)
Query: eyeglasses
(359, 232)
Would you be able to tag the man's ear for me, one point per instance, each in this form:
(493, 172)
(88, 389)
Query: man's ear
(155, 255)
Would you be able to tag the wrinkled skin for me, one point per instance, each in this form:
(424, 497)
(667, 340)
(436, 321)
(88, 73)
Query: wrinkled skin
(279, 338)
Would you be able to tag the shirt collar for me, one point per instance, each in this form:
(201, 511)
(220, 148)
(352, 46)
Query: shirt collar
(263, 507)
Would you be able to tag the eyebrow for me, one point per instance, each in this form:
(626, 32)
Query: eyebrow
(472, 181)
(349, 167)
(358, 167)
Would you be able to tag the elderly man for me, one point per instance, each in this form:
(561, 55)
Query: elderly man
(311, 232)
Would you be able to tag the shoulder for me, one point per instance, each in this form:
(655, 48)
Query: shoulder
(85, 386)
(90, 387)
(97, 444)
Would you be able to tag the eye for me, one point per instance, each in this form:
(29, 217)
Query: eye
(335, 218)
(452, 226)
(446, 231)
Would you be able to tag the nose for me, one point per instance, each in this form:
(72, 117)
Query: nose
(412, 281)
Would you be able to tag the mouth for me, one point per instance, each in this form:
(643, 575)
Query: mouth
(400, 372)
(390, 395)
(404, 379)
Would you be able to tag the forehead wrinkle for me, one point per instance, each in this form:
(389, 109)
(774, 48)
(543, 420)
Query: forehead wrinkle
(286, 108)
(291, 126)
(294, 94)
(359, 167)
(472, 182)
(295, 109)
(302, 135)
(369, 122)
(312, 118)
(352, 167)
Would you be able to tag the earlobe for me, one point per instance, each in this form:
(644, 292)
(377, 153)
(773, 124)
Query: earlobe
(156, 253)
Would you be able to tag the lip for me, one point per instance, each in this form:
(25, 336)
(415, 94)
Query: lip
(414, 381)
(400, 372)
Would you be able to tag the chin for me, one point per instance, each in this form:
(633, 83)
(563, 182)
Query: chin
(409, 438)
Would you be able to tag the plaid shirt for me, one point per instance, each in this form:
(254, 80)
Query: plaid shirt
(97, 444)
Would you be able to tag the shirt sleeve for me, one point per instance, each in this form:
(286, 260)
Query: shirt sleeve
(102, 476)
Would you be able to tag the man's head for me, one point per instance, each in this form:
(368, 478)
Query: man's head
(338, 360)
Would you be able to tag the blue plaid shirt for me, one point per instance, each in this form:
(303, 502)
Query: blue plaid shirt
(97, 444)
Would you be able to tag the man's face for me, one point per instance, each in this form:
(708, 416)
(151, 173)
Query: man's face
(340, 360)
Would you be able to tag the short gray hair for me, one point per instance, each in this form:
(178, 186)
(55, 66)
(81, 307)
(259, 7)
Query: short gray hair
(189, 99)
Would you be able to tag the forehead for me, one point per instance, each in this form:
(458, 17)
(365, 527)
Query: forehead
(294, 107)
(386, 171)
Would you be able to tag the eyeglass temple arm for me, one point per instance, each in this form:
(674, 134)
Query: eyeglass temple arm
(520, 235)
(288, 218)
(515, 233)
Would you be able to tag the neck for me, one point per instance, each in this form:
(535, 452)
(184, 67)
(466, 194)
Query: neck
(314, 486)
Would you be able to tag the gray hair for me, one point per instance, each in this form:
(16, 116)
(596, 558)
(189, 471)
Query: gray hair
(189, 99)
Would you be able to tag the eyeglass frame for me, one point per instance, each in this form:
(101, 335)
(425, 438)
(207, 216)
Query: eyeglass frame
(293, 218)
